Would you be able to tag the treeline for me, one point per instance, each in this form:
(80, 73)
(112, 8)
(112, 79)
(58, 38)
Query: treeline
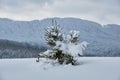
(13, 49)
(100, 50)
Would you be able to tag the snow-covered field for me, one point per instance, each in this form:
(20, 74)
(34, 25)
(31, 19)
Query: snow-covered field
(90, 68)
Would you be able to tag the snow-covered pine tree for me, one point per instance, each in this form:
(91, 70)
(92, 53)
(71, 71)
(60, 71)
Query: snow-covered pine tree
(73, 36)
(73, 39)
(55, 39)
(63, 49)
(53, 34)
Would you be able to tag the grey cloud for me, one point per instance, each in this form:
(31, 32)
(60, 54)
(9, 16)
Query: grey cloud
(22, 5)
(20, 2)
(89, 6)
(103, 11)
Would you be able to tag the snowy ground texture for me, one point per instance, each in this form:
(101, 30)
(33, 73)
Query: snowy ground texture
(90, 68)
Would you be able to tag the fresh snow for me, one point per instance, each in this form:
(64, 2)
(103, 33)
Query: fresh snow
(77, 49)
(89, 68)
(71, 48)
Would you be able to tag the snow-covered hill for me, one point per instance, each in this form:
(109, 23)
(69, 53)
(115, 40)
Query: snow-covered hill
(90, 68)
(103, 39)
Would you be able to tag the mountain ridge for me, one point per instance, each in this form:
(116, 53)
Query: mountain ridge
(103, 39)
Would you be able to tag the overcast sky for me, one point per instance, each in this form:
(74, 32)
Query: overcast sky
(102, 11)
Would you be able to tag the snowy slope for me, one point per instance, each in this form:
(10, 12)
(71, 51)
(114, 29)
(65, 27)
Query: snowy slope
(90, 68)
(103, 39)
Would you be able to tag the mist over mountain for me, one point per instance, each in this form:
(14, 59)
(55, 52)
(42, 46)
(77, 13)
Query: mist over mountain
(103, 39)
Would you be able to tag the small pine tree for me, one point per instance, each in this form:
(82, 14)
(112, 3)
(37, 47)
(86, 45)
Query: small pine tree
(60, 48)
(73, 36)
(53, 34)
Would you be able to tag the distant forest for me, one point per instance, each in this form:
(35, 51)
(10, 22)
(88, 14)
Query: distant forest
(13, 49)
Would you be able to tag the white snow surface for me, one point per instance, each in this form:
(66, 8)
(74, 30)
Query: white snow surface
(90, 68)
